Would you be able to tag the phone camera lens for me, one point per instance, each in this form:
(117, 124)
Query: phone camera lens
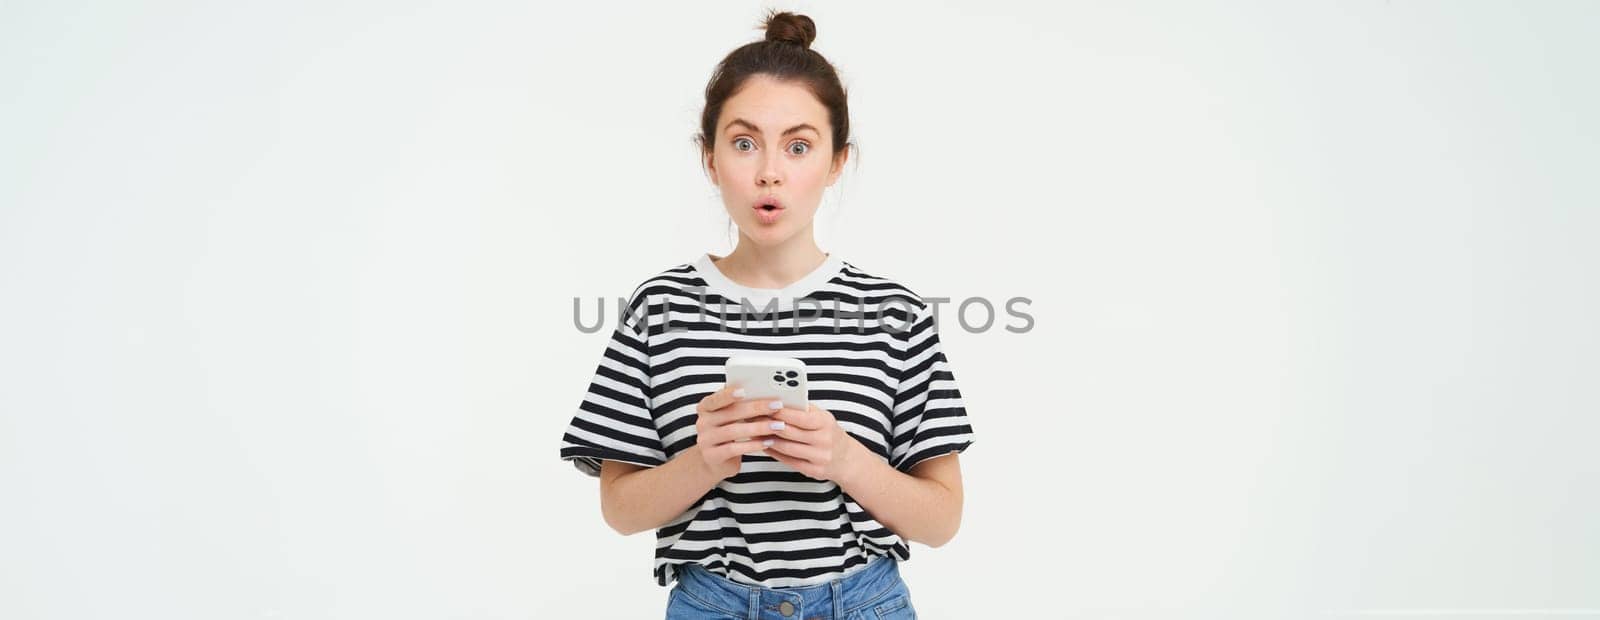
(794, 383)
(790, 374)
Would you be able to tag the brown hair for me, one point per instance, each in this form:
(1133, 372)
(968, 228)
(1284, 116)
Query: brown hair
(785, 54)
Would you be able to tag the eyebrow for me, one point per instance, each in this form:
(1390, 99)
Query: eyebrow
(740, 121)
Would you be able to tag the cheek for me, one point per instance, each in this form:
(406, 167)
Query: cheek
(730, 165)
(813, 177)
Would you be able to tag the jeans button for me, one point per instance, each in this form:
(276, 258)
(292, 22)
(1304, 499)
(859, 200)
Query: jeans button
(786, 608)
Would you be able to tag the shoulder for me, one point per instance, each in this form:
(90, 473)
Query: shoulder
(675, 279)
(871, 284)
(641, 306)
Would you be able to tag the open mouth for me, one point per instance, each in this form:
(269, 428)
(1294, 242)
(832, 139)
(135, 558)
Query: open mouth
(768, 210)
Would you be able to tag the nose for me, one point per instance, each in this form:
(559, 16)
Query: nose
(769, 173)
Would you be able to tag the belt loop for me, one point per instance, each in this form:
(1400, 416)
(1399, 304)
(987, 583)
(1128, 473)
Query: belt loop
(755, 603)
(838, 599)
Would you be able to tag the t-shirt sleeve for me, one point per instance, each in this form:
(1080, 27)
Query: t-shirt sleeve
(614, 421)
(930, 419)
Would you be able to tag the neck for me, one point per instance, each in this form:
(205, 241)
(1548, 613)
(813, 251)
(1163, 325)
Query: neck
(772, 266)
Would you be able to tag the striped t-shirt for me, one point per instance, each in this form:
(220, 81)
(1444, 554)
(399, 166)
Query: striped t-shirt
(873, 360)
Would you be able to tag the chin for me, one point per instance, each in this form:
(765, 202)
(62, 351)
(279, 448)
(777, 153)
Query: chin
(769, 237)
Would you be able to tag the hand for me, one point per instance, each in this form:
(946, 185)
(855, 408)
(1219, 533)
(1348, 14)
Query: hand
(813, 443)
(721, 420)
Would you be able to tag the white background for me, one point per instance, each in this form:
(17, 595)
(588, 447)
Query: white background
(286, 328)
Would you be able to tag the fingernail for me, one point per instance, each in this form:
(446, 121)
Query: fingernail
(777, 426)
(768, 443)
(738, 393)
(775, 405)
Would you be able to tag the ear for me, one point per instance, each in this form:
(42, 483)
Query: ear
(710, 165)
(838, 165)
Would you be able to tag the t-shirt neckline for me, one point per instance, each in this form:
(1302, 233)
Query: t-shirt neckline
(719, 283)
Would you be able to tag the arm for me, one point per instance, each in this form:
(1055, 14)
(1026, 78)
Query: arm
(924, 505)
(634, 499)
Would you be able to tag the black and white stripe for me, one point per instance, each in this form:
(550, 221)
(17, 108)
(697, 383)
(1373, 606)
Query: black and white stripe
(887, 384)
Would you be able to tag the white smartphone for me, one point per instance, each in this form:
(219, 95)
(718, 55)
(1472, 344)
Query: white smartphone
(764, 377)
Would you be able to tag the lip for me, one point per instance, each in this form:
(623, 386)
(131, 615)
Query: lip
(768, 216)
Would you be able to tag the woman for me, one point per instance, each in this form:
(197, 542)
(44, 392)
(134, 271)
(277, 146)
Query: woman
(809, 515)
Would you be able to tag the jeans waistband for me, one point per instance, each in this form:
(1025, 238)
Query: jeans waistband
(838, 596)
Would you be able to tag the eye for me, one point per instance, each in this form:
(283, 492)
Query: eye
(803, 150)
(742, 140)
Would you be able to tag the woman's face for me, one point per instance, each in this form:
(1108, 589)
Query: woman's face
(773, 146)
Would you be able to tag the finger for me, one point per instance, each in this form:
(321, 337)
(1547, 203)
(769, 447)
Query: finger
(743, 410)
(812, 418)
(761, 427)
(793, 433)
(802, 451)
(714, 434)
(718, 399)
(731, 449)
(800, 465)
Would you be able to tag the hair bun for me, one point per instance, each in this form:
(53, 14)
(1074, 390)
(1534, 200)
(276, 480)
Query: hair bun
(791, 28)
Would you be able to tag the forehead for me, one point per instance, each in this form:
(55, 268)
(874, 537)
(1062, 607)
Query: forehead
(774, 105)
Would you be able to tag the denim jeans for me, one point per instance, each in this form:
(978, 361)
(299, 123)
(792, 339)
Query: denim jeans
(873, 592)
